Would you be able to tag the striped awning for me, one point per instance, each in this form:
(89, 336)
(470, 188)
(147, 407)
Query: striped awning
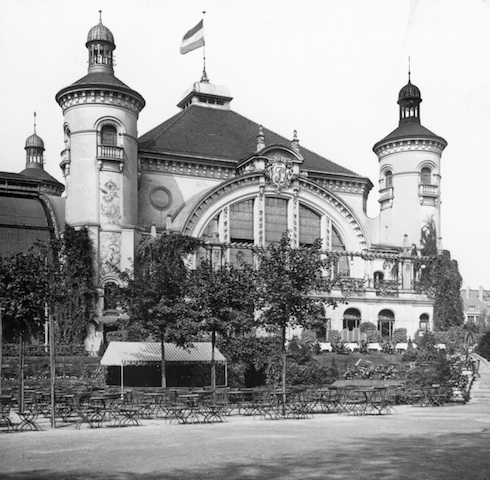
(141, 353)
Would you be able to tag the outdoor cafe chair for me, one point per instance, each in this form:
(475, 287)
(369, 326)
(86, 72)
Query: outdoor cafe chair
(5, 405)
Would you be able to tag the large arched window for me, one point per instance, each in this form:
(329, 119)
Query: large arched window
(352, 319)
(386, 322)
(426, 176)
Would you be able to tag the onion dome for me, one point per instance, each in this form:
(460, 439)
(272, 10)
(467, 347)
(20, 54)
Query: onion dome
(34, 141)
(100, 33)
(100, 45)
(409, 91)
(409, 100)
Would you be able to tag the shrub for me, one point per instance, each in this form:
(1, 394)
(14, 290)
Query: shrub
(366, 326)
(373, 336)
(334, 337)
(399, 335)
(483, 347)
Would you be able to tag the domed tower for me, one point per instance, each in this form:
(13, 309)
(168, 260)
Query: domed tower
(409, 174)
(100, 158)
(34, 148)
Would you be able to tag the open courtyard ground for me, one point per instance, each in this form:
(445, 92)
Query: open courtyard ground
(450, 442)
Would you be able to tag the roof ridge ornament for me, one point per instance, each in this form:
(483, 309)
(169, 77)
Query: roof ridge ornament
(260, 139)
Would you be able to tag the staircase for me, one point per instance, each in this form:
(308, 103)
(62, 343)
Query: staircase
(480, 390)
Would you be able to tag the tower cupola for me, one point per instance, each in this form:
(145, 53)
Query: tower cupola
(101, 46)
(409, 100)
(34, 148)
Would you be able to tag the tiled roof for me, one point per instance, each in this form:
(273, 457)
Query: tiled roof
(139, 353)
(219, 134)
(40, 174)
(100, 80)
(409, 129)
(23, 221)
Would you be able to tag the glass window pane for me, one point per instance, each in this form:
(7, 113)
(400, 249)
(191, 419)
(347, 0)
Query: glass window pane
(242, 221)
(309, 226)
(276, 218)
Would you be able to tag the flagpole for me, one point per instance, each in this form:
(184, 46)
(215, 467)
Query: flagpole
(204, 77)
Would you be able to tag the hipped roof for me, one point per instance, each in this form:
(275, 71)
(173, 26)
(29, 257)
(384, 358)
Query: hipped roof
(141, 353)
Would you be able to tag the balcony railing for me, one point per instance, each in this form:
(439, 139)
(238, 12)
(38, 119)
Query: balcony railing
(385, 194)
(426, 190)
(109, 152)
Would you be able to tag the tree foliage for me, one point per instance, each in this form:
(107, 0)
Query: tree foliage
(221, 301)
(23, 291)
(75, 295)
(448, 305)
(285, 278)
(154, 292)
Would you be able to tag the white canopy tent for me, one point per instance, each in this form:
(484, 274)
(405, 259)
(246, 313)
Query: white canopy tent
(146, 353)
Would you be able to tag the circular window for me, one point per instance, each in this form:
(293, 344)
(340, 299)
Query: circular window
(160, 198)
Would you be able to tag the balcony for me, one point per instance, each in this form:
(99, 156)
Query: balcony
(426, 190)
(109, 152)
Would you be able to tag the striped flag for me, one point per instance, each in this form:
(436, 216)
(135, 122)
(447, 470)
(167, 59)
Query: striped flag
(193, 39)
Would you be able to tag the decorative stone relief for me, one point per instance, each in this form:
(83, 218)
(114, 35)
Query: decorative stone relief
(109, 205)
(110, 252)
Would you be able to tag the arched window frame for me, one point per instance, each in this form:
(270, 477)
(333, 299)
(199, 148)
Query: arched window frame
(111, 288)
(386, 323)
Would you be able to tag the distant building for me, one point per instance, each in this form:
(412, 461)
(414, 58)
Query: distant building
(476, 303)
(209, 172)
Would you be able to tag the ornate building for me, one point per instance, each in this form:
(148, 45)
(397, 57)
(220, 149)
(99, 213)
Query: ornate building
(211, 173)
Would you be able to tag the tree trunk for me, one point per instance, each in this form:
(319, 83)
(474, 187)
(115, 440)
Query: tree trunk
(213, 365)
(1, 349)
(163, 365)
(283, 380)
(52, 360)
(21, 372)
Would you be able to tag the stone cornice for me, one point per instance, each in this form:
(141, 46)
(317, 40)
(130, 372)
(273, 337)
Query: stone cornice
(100, 96)
(183, 167)
(410, 144)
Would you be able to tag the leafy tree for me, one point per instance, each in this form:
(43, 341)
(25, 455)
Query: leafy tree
(23, 290)
(483, 347)
(221, 301)
(442, 275)
(285, 278)
(154, 294)
(448, 305)
(75, 294)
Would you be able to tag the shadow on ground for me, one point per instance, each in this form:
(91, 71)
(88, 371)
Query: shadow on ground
(448, 457)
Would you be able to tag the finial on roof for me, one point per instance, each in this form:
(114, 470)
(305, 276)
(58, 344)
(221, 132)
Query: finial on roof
(34, 122)
(260, 139)
(100, 16)
(409, 68)
(295, 141)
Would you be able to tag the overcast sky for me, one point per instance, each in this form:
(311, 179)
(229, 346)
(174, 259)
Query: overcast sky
(331, 69)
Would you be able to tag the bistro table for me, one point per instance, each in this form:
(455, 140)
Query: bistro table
(5, 404)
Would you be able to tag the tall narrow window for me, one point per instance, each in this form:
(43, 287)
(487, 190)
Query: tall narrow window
(276, 218)
(309, 226)
(111, 290)
(338, 246)
(426, 176)
(242, 232)
(388, 179)
(386, 322)
(108, 136)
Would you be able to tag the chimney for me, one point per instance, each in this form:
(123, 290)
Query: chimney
(480, 294)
